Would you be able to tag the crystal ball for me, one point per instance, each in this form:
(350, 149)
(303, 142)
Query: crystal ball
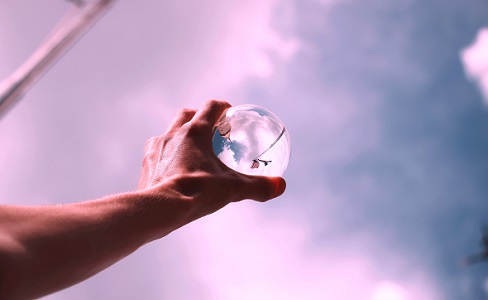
(252, 140)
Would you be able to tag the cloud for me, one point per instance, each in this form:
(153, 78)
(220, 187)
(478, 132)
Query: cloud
(258, 257)
(248, 47)
(475, 61)
(181, 54)
(388, 291)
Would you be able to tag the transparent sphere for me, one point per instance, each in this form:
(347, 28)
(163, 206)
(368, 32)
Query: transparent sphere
(252, 140)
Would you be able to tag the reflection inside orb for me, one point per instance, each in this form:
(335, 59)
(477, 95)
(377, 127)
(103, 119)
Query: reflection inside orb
(252, 140)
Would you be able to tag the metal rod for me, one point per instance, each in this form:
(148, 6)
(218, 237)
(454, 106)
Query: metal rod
(65, 34)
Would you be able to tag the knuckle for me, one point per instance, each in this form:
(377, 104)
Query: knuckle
(185, 112)
(146, 161)
(164, 141)
(150, 143)
(212, 102)
(215, 102)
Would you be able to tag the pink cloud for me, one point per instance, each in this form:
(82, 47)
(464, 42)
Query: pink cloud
(241, 253)
(248, 46)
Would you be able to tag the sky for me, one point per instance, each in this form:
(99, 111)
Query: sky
(385, 103)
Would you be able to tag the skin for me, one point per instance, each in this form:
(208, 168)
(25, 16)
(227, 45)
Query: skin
(44, 249)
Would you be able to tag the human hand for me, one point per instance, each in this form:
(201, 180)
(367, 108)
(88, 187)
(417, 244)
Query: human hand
(46, 248)
(183, 158)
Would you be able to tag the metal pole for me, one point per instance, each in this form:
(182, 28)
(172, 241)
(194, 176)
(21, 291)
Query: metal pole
(65, 34)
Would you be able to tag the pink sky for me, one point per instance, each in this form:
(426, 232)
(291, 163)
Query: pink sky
(79, 134)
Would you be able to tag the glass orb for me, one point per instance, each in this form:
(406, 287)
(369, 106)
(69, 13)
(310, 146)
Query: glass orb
(252, 140)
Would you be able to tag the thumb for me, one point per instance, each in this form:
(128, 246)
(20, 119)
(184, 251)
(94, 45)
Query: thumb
(262, 188)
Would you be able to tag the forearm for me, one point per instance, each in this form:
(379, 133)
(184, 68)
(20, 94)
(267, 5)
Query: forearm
(45, 249)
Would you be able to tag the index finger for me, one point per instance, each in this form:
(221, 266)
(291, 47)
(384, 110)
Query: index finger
(210, 112)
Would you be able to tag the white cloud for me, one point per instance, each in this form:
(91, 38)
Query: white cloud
(240, 43)
(475, 61)
(388, 291)
(248, 47)
(227, 156)
(240, 253)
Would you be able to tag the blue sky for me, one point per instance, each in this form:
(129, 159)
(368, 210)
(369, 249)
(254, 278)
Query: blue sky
(387, 179)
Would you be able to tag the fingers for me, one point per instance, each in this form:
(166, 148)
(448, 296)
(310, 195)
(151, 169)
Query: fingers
(182, 116)
(262, 188)
(210, 112)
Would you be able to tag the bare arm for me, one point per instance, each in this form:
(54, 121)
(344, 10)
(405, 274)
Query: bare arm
(45, 249)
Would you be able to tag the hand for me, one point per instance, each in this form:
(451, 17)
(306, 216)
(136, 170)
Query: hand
(47, 248)
(183, 157)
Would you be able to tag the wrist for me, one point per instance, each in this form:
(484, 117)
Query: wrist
(161, 210)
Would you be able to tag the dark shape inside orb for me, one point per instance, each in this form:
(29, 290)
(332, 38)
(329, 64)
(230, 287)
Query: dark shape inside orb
(223, 127)
(255, 163)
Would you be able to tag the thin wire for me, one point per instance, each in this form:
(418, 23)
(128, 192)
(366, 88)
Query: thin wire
(277, 139)
(66, 33)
